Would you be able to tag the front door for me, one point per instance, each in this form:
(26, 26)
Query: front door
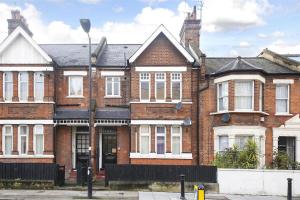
(82, 150)
(109, 146)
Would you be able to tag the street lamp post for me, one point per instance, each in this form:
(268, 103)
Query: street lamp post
(86, 26)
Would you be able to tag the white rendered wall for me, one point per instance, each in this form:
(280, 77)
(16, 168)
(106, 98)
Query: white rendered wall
(262, 182)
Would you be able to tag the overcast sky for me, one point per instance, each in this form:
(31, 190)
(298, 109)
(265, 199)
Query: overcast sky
(230, 27)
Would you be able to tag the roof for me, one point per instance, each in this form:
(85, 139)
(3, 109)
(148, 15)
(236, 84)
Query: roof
(68, 54)
(62, 114)
(162, 30)
(113, 113)
(227, 64)
(115, 54)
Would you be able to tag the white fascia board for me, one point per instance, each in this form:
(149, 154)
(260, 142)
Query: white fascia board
(161, 69)
(112, 73)
(161, 29)
(19, 31)
(182, 156)
(240, 130)
(283, 81)
(75, 73)
(29, 69)
(240, 77)
(157, 122)
(25, 121)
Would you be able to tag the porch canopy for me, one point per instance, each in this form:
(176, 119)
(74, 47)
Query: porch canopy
(71, 117)
(112, 116)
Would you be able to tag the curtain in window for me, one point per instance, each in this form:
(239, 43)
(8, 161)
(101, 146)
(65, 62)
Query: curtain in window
(38, 86)
(160, 140)
(176, 86)
(76, 84)
(8, 86)
(23, 139)
(282, 98)
(109, 86)
(145, 139)
(241, 141)
(223, 143)
(23, 90)
(145, 86)
(243, 95)
(160, 86)
(39, 140)
(223, 96)
(8, 139)
(176, 135)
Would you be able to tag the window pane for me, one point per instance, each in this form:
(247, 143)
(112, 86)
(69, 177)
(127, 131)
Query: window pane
(8, 88)
(176, 144)
(175, 130)
(39, 86)
(243, 95)
(76, 84)
(109, 88)
(23, 130)
(282, 98)
(281, 91)
(144, 129)
(160, 90)
(160, 130)
(160, 144)
(145, 90)
(176, 90)
(8, 145)
(23, 86)
(281, 106)
(223, 143)
(241, 141)
(39, 144)
(23, 144)
(144, 144)
(116, 88)
(223, 96)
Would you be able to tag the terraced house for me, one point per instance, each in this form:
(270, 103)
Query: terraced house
(160, 102)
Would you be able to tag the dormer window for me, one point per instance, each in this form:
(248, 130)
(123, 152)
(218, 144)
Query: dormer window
(8, 86)
(243, 95)
(222, 96)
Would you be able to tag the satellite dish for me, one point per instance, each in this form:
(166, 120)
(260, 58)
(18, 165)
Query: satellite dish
(187, 122)
(225, 117)
(178, 106)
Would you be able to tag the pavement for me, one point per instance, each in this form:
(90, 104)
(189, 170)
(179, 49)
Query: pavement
(119, 195)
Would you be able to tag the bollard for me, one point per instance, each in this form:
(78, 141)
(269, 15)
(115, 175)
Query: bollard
(182, 194)
(289, 190)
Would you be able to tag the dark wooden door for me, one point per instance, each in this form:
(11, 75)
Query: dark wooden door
(109, 149)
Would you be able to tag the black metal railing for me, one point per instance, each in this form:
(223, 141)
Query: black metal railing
(33, 172)
(162, 173)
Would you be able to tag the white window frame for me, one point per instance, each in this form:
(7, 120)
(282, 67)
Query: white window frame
(176, 80)
(19, 139)
(218, 96)
(19, 86)
(219, 150)
(180, 140)
(252, 103)
(144, 134)
(3, 85)
(243, 135)
(35, 82)
(165, 83)
(145, 80)
(69, 87)
(261, 85)
(34, 138)
(288, 99)
(165, 141)
(113, 88)
(4, 139)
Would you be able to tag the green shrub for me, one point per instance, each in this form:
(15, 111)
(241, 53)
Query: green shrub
(246, 158)
(281, 160)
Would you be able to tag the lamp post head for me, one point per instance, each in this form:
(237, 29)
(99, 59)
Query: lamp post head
(86, 25)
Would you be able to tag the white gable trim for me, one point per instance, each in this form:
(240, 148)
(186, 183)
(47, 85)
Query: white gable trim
(161, 29)
(240, 77)
(19, 31)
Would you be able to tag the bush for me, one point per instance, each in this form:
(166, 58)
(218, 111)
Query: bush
(246, 158)
(281, 160)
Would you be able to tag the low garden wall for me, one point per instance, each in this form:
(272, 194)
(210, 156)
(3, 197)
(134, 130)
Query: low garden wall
(258, 182)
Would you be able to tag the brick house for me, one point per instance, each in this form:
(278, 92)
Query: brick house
(160, 102)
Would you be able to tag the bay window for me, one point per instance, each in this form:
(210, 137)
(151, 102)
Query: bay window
(176, 82)
(222, 96)
(282, 98)
(75, 86)
(38, 139)
(223, 143)
(176, 139)
(160, 139)
(112, 86)
(23, 86)
(23, 139)
(145, 86)
(7, 86)
(244, 95)
(160, 86)
(38, 86)
(7, 139)
(241, 141)
(144, 139)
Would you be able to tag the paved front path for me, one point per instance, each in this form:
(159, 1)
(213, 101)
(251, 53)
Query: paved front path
(118, 195)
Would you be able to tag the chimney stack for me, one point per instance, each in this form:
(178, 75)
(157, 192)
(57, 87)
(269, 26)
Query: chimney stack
(17, 20)
(190, 30)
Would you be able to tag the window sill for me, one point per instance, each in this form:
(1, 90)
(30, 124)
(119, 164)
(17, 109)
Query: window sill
(253, 112)
(182, 156)
(112, 97)
(75, 97)
(283, 114)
